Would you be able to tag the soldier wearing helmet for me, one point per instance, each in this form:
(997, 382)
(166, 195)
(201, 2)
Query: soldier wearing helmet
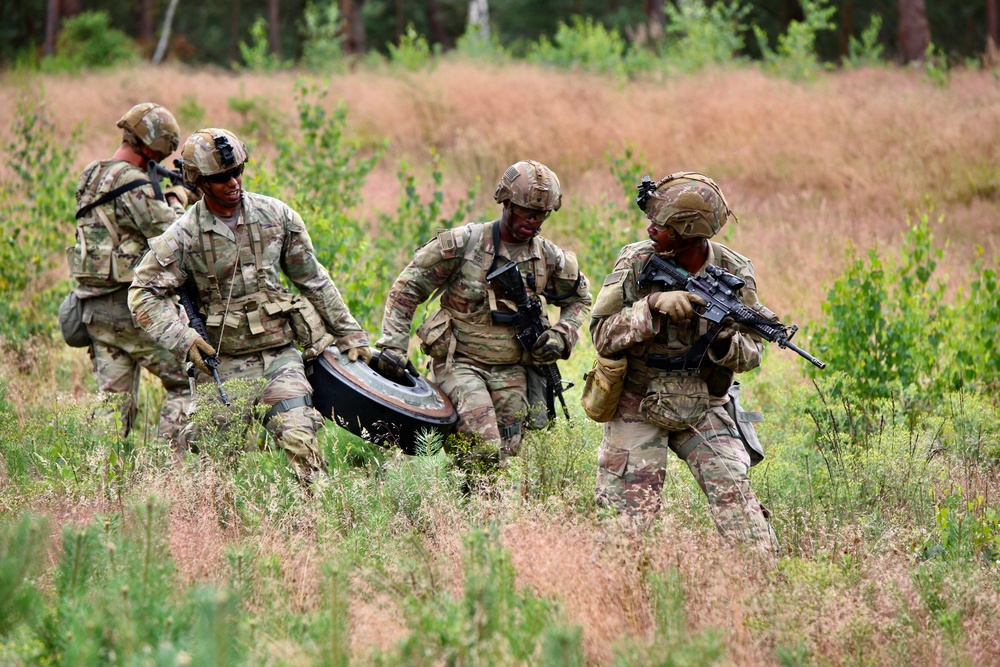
(119, 208)
(477, 361)
(680, 367)
(230, 249)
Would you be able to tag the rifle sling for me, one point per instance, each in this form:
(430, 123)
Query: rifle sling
(109, 196)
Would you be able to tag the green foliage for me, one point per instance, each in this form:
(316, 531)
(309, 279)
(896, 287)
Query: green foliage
(977, 337)
(699, 35)
(866, 52)
(966, 528)
(257, 55)
(936, 66)
(322, 40)
(475, 46)
(87, 41)
(35, 220)
(795, 55)
(190, 112)
(492, 623)
(886, 321)
(413, 53)
(584, 44)
(22, 544)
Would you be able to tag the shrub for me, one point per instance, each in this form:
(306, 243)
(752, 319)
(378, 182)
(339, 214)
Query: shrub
(87, 41)
(413, 53)
(795, 55)
(866, 52)
(700, 35)
(585, 45)
(257, 56)
(322, 42)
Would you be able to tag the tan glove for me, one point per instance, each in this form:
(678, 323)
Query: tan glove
(364, 353)
(178, 191)
(548, 348)
(677, 305)
(197, 353)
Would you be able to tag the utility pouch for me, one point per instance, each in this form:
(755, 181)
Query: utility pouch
(745, 425)
(602, 388)
(435, 335)
(309, 327)
(71, 324)
(675, 401)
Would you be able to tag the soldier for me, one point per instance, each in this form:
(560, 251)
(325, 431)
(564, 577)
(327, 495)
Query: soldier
(477, 361)
(230, 250)
(118, 210)
(680, 368)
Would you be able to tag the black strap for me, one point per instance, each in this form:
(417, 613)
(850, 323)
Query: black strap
(154, 179)
(288, 404)
(114, 194)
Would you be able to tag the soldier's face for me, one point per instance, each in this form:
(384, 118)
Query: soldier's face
(525, 224)
(666, 239)
(224, 189)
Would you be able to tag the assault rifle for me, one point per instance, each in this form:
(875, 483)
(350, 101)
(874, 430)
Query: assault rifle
(176, 177)
(527, 323)
(719, 289)
(198, 324)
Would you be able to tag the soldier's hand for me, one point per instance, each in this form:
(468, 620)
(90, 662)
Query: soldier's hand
(394, 364)
(723, 339)
(363, 352)
(548, 348)
(197, 353)
(677, 305)
(178, 191)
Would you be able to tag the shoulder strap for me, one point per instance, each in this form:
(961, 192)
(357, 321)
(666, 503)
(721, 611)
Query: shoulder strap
(114, 194)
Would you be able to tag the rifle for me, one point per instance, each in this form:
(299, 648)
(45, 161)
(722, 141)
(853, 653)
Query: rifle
(198, 324)
(527, 323)
(719, 289)
(176, 177)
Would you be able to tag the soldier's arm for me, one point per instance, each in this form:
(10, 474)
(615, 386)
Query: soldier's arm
(158, 275)
(150, 215)
(432, 266)
(620, 319)
(299, 263)
(575, 307)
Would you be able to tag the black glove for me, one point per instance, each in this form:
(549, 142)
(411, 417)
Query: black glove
(394, 364)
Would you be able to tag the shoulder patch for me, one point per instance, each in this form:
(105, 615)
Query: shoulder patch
(164, 248)
(615, 277)
(611, 298)
(572, 267)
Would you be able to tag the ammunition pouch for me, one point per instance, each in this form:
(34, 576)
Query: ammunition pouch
(675, 401)
(602, 388)
(258, 321)
(436, 335)
(71, 324)
(309, 327)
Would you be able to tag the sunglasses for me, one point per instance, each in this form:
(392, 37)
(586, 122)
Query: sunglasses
(224, 177)
(530, 214)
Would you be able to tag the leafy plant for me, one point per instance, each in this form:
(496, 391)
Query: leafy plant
(322, 45)
(936, 66)
(795, 54)
(257, 55)
(413, 53)
(866, 52)
(475, 46)
(699, 35)
(87, 41)
(583, 44)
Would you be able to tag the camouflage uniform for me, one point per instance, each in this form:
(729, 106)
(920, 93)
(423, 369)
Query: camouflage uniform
(238, 280)
(633, 453)
(480, 365)
(111, 239)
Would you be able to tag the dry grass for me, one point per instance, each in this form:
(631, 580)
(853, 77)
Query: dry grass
(808, 168)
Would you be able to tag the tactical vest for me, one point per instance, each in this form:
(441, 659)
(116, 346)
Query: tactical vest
(476, 335)
(257, 321)
(105, 255)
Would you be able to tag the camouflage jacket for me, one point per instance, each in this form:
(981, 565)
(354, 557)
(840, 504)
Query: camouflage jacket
(623, 322)
(248, 307)
(106, 253)
(456, 262)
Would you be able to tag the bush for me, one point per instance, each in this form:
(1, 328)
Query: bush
(322, 43)
(866, 52)
(257, 56)
(700, 35)
(585, 45)
(87, 41)
(795, 55)
(413, 52)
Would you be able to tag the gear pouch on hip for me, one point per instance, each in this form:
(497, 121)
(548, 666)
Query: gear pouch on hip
(675, 401)
(435, 335)
(745, 425)
(602, 389)
(309, 327)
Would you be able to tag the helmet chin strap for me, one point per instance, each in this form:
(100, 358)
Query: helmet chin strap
(207, 192)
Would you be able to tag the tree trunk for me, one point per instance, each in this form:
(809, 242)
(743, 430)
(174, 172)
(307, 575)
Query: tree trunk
(479, 19)
(400, 20)
(234, 31)
(992, 22)
(168, 21)
(438, 34)
(655, 16)
(914, 31)
(355, 40)
(51, 27)
(846, 12)
(273, 34)
(147, 22)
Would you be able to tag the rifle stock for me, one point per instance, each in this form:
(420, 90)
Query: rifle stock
(719, 289)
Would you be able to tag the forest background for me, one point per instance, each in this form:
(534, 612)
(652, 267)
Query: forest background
(867, 196)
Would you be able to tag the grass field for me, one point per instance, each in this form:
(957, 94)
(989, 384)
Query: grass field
(113, 552)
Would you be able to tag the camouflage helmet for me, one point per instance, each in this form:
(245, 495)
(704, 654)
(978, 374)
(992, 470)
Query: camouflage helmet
(211, 151)
(691, 203)
(149, 124)
(529, 184)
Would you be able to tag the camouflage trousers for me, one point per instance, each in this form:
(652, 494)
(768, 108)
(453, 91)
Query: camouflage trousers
(119, 351)
(632, 462)
(491, 402)
(294, 428)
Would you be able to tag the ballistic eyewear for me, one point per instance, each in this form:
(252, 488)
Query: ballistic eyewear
(223, 178)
